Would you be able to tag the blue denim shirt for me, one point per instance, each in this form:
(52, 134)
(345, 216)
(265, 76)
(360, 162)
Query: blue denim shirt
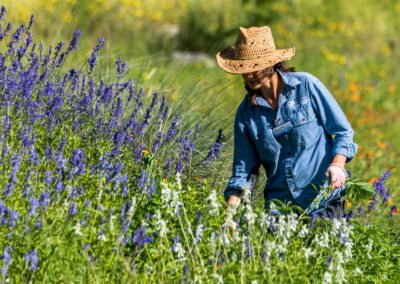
(295, 143)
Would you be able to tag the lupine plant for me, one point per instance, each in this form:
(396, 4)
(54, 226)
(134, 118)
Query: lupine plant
(96, 187)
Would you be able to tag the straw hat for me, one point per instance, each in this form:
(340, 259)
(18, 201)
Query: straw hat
(254, 50)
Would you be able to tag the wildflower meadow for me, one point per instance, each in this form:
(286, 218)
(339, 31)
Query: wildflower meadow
(113, 169)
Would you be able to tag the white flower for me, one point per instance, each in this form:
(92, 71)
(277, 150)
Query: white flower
(77, 229)
(368, 247)
(176, 203)
(225, 239)
(322, 241)
(213, 203)
(266, 220)
(304, 231)
(347, 251)
(340, 274)
(166, 193)
(327, 277)
(112, 218)
(179, 250)
(102, 237)
(292, 222)
(339, 258)
(178, 181)
(161, 224)
(357, 271)
(199, 232)
(250, 216)
(307, 253)
(246, 195)
(218, 278)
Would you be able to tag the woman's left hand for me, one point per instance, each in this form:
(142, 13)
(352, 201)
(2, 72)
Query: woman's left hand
(336, 176)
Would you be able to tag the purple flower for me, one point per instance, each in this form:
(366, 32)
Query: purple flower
(2, 13)
(72, 210)
(179, 166)
(163, 110)
(380, 190)
(8, 216)
(360, 211)
(156, 143)
(59, 186)
(74, 41)
(31, 259)
(215, 149)
(57, 50)
(124, 209)
(77, 162)
(6, 260)
(33, 205)
(393, 210)
(147, 116)
(8, 28)
(328, 261)
(249, 250)
(15, 163)
(314, 217)
(120, 181)
(198, 216)
(121, 68)
(372, 203)
(31, 21)
(139, 152)
(349, 215)
(95, 53)
(151, 189)
(15, 38)
(172, 130)
(168, 165)
(48, 178)
(185, 147)
(27, 190)
(86, 247)
(142, 181)
(39, 223)
(115, 170)
(44, 199)
(140, 238)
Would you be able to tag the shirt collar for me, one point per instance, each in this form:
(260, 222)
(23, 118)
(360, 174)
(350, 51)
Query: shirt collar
(288, 78)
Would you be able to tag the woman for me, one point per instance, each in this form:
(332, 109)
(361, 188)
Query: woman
(288, 122)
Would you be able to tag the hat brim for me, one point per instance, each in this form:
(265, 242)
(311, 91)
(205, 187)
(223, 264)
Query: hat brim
(226, 60)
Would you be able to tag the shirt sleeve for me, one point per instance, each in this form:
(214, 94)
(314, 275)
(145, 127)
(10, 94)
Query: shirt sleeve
(333, 119)
(245, 158)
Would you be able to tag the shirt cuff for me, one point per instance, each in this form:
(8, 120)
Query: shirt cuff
(231, 191)
(346, 149)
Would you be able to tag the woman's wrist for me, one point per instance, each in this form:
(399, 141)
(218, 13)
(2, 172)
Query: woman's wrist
(339, 166)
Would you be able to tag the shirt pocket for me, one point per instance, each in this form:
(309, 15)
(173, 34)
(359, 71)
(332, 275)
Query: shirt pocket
(265, 142)
(304, 132)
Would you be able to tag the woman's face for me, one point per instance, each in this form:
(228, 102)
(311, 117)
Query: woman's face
(255, 79)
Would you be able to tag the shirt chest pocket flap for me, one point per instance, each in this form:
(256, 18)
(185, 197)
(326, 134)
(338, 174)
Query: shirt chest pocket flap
(263, 137)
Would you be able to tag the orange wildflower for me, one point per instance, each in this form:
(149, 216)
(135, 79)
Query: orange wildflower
(372, 180)
(353, 87)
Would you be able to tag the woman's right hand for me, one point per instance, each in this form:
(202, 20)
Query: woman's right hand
(233, 203)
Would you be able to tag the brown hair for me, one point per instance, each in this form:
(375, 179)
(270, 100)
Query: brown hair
(281, 66)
